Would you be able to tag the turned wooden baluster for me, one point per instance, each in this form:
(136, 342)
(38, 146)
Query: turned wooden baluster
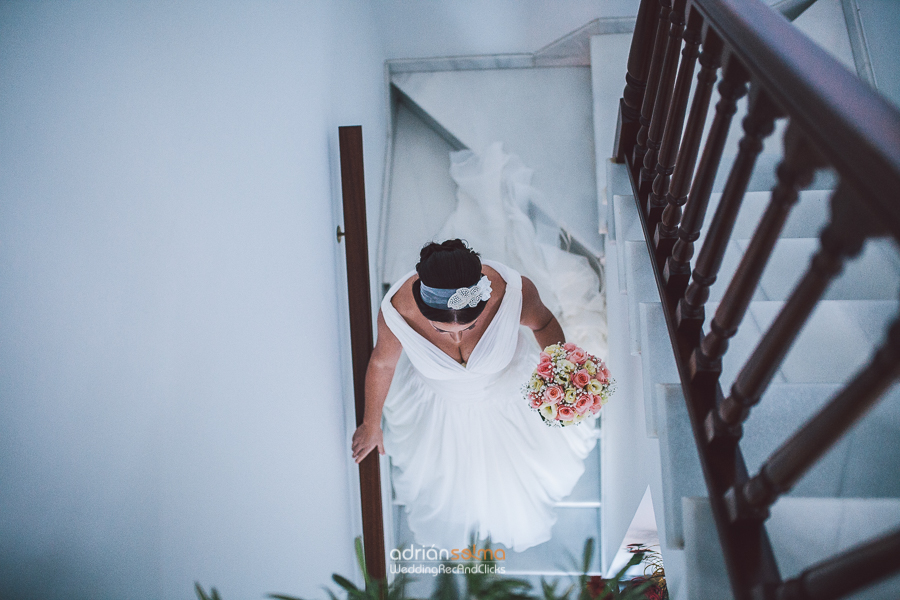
(678, 266)
(656, 61)
(665, 164)
(801, 452)
(677, 192)
(795, 172)
(661, 105)
(843, 238)
(635, 79)
(758, 125)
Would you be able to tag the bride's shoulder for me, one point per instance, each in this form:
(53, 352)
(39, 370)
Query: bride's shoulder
(498, 282)
(403, 300)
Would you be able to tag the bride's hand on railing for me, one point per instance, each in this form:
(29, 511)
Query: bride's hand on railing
(365, 439)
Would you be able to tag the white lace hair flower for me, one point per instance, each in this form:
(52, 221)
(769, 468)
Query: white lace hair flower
(471, 296)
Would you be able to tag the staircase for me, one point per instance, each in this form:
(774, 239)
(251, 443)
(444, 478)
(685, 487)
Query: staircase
(853, 493)
(539, 105)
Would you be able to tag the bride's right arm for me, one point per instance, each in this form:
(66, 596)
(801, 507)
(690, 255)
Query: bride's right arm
(379, 373)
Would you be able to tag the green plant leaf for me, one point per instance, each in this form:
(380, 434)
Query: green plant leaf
(200, 593)
(361, 560)
(588, 554)
(283, 597)
(636, 592)
(353, 592)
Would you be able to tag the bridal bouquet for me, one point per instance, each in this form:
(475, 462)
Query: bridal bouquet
(568, 386)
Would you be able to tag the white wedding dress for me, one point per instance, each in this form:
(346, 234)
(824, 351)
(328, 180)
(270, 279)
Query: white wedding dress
(467, 453)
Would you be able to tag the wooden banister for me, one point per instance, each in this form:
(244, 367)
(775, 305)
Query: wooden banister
(855, 129)
(835, 121)
(361, 335)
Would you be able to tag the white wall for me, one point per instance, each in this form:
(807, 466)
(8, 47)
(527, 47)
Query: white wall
(171, 294)
(423, 28)
(170, 393)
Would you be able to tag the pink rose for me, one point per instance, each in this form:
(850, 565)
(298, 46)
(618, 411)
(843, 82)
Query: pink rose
(545, 370)
(577, 356)
(581, 378)
(597, 405)
(553, 394)
(545, 358)
(583, 404)
(565, 413)
(535, 401)
(569, 346)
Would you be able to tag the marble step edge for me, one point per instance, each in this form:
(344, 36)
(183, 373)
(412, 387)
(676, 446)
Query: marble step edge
(808, 216)
(541, 210)
(870, 276)
(856, 283)
(864, 317)
(795, 402)
(564, 504)
(762, 181)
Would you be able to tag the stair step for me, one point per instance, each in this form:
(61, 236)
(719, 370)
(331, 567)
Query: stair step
(563, 552)
(790, 260)
(840, 338)
(587, 490)
(798, 540)
(806, 220)
(630, 461)
(543, 115)
(422, 193)
(609, 58)
(880, 22)
(852, 467)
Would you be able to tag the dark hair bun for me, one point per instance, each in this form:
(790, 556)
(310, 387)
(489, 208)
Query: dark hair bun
(450, 264)
(457, 245)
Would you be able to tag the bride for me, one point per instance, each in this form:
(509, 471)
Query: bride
(457, 340)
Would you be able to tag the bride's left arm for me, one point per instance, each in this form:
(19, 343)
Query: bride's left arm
(538, 318)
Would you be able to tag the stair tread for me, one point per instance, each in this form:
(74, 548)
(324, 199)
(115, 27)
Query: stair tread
(609, 57)
(797, 540)
(479, 107)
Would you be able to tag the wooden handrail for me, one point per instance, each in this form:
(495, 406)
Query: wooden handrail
(361, 336)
